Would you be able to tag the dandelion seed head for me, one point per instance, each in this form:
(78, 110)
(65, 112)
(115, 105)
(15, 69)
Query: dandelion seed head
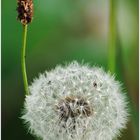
(76, 102)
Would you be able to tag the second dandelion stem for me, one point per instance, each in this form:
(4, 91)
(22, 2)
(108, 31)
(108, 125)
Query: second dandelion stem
(112, 37)
(23, 64)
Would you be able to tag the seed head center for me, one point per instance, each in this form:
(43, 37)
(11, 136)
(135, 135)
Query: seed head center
(72, 107)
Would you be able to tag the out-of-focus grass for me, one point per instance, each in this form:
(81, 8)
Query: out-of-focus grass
(62, 31)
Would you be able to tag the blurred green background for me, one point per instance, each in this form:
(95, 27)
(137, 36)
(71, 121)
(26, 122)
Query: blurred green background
(66, 30)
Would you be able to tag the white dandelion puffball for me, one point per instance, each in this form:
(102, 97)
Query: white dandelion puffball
(75, 102)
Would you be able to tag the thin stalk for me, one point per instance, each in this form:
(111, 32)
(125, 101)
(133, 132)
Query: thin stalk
(23, 64)
(112, 37)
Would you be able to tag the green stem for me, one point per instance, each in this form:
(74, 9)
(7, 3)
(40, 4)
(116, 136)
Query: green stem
(112, 37)
(23, 52)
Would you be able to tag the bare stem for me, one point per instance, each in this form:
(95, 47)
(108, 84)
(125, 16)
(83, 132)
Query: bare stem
(23, 64)
(112, 37)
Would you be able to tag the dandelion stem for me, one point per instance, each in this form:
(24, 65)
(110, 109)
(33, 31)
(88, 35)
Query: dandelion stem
(112, 37)
(23, 64)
